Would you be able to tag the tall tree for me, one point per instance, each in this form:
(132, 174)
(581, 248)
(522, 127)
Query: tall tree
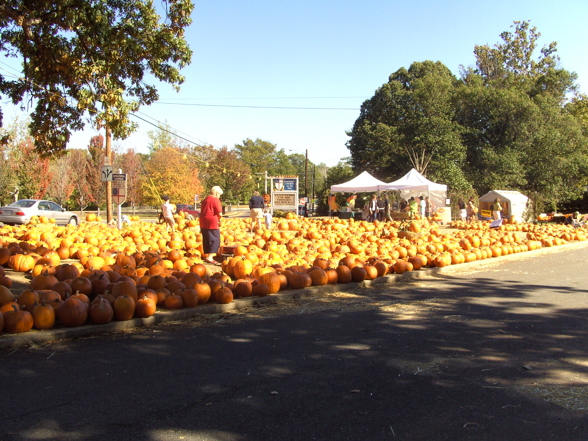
(409, 123)
(62, 184)
(91, 57)
(171, 172)
(231, 174)
(131, 164)
(96, 151)
(82, 194)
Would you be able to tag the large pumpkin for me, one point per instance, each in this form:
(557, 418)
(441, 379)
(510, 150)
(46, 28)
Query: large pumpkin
(272, 281)
(17, 320)
(124, 307)
(101, 311)
(43, 316)
(72, 312)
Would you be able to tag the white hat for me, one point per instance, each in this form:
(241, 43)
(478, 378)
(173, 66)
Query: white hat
(217, 190)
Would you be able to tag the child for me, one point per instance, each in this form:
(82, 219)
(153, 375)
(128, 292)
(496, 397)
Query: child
(268, 219)
(168, 210)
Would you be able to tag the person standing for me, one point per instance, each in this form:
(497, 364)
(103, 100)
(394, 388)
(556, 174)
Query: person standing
(373, 208)
(472, 210)
(422, 207)
(381, 206)
(211, 213)
(413, 207)
(387, 216)
(256, 206)
(496, 209)
(463, 214)
(168, 210)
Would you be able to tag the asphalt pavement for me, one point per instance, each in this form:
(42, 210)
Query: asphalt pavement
(494, 351)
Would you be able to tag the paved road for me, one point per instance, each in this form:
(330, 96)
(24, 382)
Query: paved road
(495, 354)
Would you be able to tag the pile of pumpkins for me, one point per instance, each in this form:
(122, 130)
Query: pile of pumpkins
(95, 273)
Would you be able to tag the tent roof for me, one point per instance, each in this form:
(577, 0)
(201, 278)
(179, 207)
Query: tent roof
(513, 196)
(362, 182)
(413, 180)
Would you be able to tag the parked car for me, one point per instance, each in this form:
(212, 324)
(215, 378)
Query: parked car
(188, 209)
(21, 212)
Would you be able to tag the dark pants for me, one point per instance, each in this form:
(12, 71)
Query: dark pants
(210, 241)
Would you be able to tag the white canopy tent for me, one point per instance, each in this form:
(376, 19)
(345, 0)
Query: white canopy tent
(362, 182)
(514, 203)
(414, 184)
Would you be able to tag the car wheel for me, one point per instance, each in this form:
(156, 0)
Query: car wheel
(72, 221)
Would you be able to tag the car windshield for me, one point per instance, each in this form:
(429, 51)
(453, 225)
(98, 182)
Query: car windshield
(25, 203)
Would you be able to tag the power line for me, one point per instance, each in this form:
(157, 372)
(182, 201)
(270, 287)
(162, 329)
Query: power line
(355, 109)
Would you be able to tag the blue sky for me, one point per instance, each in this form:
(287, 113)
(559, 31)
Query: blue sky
(313, 62)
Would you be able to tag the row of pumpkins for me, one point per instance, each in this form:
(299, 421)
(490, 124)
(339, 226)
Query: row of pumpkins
(121, 274)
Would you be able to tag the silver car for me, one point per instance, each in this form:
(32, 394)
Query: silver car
(20, 212)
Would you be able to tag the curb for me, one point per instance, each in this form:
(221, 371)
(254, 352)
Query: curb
(33, 337)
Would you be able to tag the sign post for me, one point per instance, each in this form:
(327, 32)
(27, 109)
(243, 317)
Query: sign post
(119, 192)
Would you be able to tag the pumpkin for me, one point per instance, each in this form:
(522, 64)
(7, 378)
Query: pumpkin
(204, 292)
(272, 281)
(319, 277)
(101, 311)
(21, 262)
(81, 284)
(6, 295)
(174, 301)
(224, 295)
(243, 288)
(145, 307)
(28, 297)
(66, 271)
(125, 288)
(260, 290)
(190, 297)
(43, 316)
(343, 274)
(124, 307)
(72, 312)
(17, 320)
(358, 274)
(43, 281)
(243, 268)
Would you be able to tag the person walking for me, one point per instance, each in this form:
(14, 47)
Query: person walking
(168, 210)
(268, 218)
(211, 213)
(256, 206)
(496, 209)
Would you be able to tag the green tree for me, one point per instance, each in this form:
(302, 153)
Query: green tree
(231, 174)
(409, 123)
(90, 57)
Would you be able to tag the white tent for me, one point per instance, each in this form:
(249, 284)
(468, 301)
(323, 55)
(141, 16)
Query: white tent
(414, 184)
(362, 182)
(513, 203)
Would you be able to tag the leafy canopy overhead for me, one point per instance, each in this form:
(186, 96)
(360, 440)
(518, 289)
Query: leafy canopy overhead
(90, 57)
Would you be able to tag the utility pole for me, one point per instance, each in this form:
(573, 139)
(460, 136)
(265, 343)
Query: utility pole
(306, 176)
(108, 157)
